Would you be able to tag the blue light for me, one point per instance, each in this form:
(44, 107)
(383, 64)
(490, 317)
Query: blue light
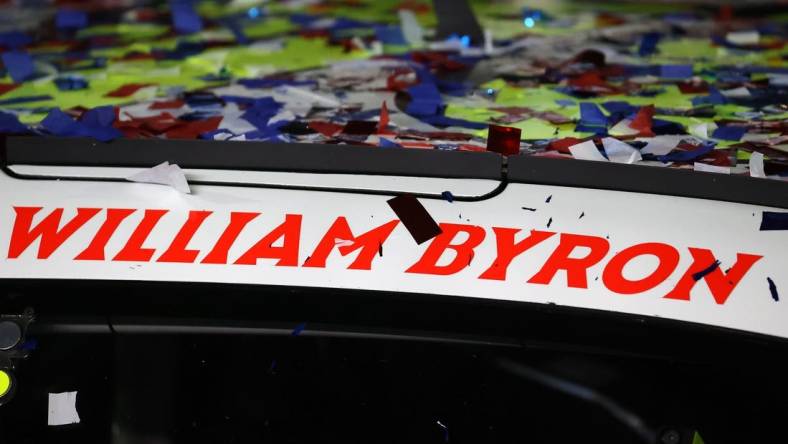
(490, 91)
(529, 22)
(253, 13)
(465, 41)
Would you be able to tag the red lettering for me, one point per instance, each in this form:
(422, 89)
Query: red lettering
(290, 233)
(177, 251)
(133, 250)
(507, 250)
(428, 263)
(238, 221)
(721, 284)
(95, 251)
(368, 243)
(575, 268)
(52, 238)
(613, 276)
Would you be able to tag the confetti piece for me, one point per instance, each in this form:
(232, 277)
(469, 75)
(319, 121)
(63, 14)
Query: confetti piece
(298, 329)
(184, 18)
(415, 218)
(587, 151)
(756, 165)
(620, 152)
(19, 65)
(127, 90)
(163, 174)
(705, 168)
(62, 409)
(71, 19)
(772, 221)
(773, 289)
(7, 87)
(700, 274)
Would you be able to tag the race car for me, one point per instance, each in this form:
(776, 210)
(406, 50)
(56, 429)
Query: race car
(443, 244)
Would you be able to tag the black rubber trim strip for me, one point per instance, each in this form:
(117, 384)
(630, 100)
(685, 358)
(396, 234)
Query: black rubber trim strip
(477, 198)
(647, 179)
(342, 159)
(256, 156)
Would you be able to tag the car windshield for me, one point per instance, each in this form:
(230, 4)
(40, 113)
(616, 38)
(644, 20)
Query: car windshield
(299, 366)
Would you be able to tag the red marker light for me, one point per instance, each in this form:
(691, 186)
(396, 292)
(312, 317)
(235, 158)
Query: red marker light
(503, 140)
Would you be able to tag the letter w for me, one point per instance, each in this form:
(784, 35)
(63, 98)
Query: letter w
(52, 238)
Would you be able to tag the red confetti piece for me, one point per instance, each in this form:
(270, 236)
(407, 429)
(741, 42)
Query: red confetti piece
(6, 87)
(147, 125)
(643, 121)
(562, 145)
(503, 140)
(127, 90)
(167, 104)
(327, 129)
(192, 130)
(693, 87)
(384, 119)
(414, 144)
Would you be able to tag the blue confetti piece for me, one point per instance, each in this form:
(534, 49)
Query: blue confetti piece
(715, 97)
(71, 19)
(99, 116)
(70, 83)
(19, 65)
(591, 115)
(14, 39)
(732, 133)
(61, 124)
(675, 71)
(660, 127)
(238, 32)
(25, 99)
(185, 19)
(9, 124)
(298, 329)
(702, 273)
(446, 195)
(772, 221)
(565, 102)
(386, 143)
(687, 156)
(390, 35)
(615, 107)
(303, 19)
(598, 130)
(773, 290)
(425, 100)
(274, 83)
(648, 44)
(211, 135)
